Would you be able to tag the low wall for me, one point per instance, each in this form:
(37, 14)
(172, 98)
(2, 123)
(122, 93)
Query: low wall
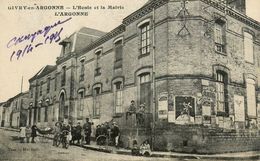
(204, 140)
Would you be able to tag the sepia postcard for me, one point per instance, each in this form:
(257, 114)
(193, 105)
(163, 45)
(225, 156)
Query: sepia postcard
(121, 80)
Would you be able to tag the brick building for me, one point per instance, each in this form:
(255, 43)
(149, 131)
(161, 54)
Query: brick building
(194, 64)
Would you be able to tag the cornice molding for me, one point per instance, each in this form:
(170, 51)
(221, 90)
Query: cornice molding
(144, 10)
(233, 13)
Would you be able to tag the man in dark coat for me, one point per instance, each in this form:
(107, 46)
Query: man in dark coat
(98, 131)
(78, 132)
(34, 132)
(87, 130)
(115, 133)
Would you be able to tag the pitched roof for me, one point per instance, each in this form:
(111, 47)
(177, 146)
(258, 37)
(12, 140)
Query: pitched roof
(43, 71)
(87, 30)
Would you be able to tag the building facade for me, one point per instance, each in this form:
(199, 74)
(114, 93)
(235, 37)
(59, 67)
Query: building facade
(14, 111)
(194, 64)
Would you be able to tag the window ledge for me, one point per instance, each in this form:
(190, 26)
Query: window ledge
(96, 117)
(221, 113)
(221, 53)
(116, 115)
(143, 55)
(248, 62)
(97, 74)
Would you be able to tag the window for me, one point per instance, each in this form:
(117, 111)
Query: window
(248, 47)
(220, 36)
(221, 90)
(98, 68)
(82, 69)
(145, 38)
(39, 114)
(81, 104)
(48, 84)
(251, 97)
(41, 88)
(145, 90)
(63, 76)
(31, 91)
(118, 54)
(118, 93)
(97, 92)
(54, 111)
(21, 104)
(16, 105)
(46, 111)
(55, 83)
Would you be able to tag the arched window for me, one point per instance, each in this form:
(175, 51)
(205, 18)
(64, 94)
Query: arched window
(145, 90)
(118, 47)
(118, 97)
(80, 107)
(48, 84)
(144, 27)
(248, 47)
(98, 54)
(97, 99)
(219, 36)
(251, 97)
(63, 76)
(41, 88)
(222, 92)
(82, 69)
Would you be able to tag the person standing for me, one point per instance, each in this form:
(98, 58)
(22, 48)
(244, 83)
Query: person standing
(115, 133)
(34, 132)
(78, 132)
(141, 114)
(87, 131)
(27, 133)
(56, 132)
(22, 133)
(131, 109)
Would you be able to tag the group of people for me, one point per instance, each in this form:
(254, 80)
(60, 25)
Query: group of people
(105, 132)
(75, 133)
(144, 148)
(140, 112)
(28, 132)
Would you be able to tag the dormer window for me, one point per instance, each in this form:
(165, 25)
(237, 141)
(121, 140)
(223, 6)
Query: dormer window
(65, 46)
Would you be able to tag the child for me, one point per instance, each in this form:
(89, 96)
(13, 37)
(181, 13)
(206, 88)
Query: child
(22, 134)
(27, 133)
(145, 149)
(135, 149)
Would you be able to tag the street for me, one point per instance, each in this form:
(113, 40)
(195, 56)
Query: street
(12, 150)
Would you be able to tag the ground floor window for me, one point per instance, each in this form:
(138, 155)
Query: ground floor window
(118, 94)
(145, 91)
(251, 97)
(39, 114)
(97, 104)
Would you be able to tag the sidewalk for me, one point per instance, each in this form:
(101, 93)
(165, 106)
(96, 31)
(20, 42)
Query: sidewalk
(253, 155)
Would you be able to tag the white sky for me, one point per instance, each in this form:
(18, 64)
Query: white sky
(16, 23)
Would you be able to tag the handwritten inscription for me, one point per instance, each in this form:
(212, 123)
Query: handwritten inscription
(47, 35)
